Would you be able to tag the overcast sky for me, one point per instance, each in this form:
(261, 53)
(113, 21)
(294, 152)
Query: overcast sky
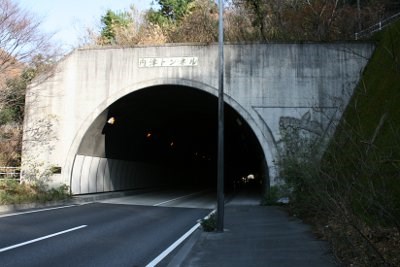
(67, 19)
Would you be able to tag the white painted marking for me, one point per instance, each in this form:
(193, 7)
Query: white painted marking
(41, 238)
(176, 243)
(34, 211)
(173, 246)
(165, 202)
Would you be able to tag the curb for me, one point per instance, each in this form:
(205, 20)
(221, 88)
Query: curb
(74, 200)
(30, 206)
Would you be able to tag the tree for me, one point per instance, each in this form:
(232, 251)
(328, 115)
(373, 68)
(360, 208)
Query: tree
(238, 25)
(180, 21)
(198, 25)
(171, 11)
(175, 21)
(308, 20)
(23, 49)
(126, 28)
(20, 37)
(111, 23)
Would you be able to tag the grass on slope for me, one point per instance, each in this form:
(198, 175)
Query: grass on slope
(361, 168)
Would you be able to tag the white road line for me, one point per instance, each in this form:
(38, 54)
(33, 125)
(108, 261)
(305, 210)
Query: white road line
(173, 246)
(34, 211)
(176, 243)
(41, 238)
(165, 202)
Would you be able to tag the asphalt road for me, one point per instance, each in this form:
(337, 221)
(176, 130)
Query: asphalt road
(122, 232)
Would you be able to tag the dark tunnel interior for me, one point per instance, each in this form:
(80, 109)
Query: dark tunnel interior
(177, 126)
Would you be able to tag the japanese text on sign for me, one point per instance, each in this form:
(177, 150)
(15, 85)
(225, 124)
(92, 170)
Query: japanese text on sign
(150, 62)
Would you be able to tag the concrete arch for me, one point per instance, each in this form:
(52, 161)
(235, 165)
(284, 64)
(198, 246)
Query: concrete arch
(102, 107)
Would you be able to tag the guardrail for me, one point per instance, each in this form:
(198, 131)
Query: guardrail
(7, 173)
(376, 28)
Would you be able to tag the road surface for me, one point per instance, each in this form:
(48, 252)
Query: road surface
(128, 231)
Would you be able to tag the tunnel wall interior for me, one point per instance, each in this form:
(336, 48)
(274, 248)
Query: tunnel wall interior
(94, 174)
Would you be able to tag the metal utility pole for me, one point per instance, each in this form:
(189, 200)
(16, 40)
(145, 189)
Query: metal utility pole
(220, 167)
(359, 15)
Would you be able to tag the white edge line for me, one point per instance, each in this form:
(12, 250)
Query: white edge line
(161, 203)
(34, 211)
(175, 244)
(41, 238)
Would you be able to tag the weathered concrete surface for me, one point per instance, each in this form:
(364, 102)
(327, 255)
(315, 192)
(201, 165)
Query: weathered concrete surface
(270, 85)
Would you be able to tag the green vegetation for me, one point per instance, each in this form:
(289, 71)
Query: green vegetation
(209, 224)
(182, 21)
(170, 11)
(111, 22)
(13, 97)
(353, 195)
(275, 195)
(367, 143)
(12, 105)
(13, 192)
(23, 49)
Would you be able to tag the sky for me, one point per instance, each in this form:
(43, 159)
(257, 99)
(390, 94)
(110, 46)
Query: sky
(68, 19)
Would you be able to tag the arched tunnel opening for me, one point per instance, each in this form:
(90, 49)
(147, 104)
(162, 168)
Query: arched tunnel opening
(169, 133)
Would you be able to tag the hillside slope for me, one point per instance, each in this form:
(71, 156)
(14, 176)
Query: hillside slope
(361, 168)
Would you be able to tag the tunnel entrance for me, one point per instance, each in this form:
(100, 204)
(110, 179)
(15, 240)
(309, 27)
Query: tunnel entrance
(167, 136)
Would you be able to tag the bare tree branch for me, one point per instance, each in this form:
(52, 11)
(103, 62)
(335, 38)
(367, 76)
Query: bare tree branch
(20, 37)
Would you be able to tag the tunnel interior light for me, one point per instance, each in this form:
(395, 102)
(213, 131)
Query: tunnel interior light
(172, 144)
(248, 178)
(149, 135)
(111, 120)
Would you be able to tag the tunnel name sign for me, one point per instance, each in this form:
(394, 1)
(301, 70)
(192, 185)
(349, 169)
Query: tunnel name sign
(151, 62)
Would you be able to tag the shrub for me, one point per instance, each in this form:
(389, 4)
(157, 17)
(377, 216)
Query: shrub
(209, 224)
(353, 194)
(13, 192)
(276, 195)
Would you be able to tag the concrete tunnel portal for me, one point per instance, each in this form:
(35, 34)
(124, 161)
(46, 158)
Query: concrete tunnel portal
(163, 101)
(166, 135)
